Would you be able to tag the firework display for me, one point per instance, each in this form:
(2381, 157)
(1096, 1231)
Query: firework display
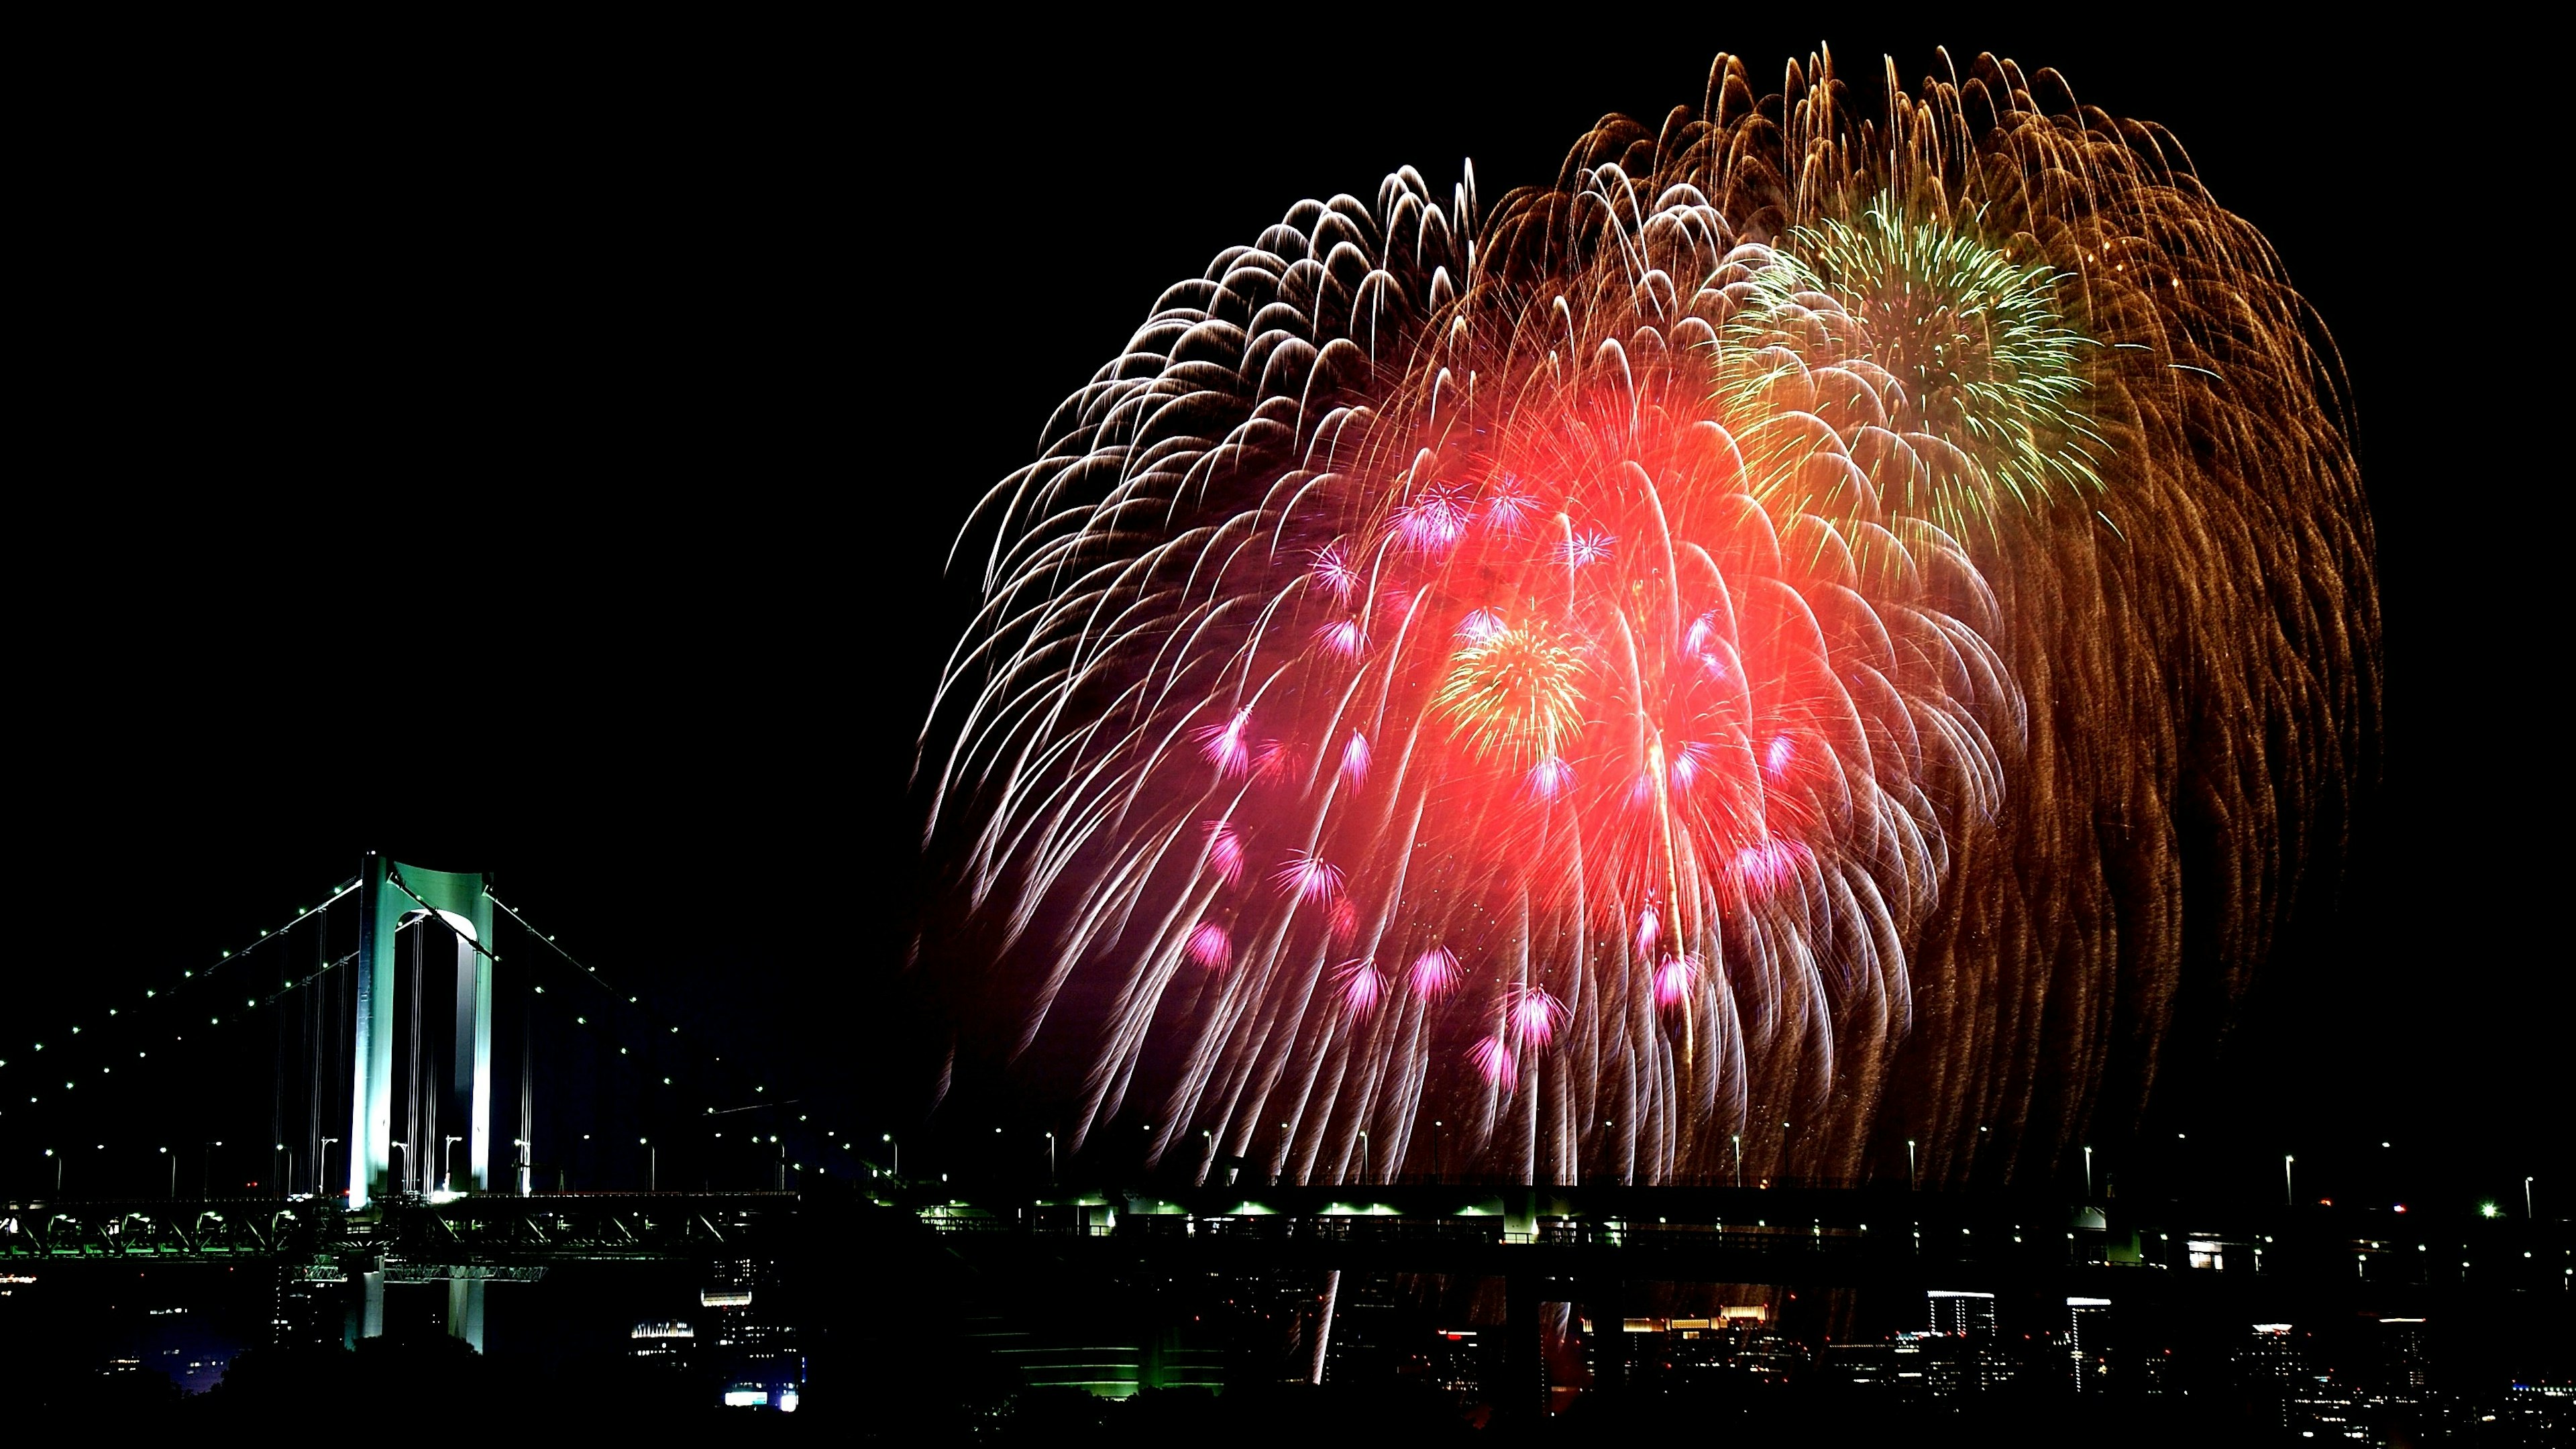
(1812, 631)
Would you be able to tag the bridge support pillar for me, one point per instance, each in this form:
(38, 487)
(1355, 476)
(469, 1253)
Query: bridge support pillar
(371, 1313)
(465, 1310)
(391, 895)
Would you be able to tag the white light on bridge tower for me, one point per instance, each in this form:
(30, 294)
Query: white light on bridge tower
(389, 893)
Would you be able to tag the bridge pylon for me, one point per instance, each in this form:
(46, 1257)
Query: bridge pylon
(392, 895)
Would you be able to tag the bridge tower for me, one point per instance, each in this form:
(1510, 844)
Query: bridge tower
(391, 894)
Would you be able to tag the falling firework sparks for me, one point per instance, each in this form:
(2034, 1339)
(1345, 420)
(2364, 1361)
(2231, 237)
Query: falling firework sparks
(1772, 628)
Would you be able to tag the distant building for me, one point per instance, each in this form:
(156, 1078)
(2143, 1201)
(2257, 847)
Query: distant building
(669, 1346)
(1459, 1360)
(2088, 1342)
(2402, 1359)
(746, 1337)
(306, 1311)
(2272, 1357)
(1960, 1313)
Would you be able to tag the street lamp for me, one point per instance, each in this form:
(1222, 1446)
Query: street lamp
(894, 1168)
(2526, 1200)
(403, 1178)
(521, 1144)
(58, 1170)
(1739, 1158)
(206, 1169)
(652, 1163)
(447, 1163)
(174, 1174)
(2088, 1174)
(2289, 1193)
(1050, 1137)
(322, 1165)
(1364, 1172)
(1912, 1173)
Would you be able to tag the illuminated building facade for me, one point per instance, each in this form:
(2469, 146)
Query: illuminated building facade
(1963, 1314)
(745, 1335)
(2088, 1342)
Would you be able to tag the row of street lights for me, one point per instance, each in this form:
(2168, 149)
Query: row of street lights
(205, 1183)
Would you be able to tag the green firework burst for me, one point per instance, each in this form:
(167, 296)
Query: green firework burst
(1980, 353)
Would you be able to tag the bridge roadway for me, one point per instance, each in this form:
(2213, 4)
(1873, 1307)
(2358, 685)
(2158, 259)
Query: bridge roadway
(1826, 1237)
(495, 1234)
(1821, 1237)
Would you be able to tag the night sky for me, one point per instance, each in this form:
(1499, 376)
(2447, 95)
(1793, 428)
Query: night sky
(542, 459)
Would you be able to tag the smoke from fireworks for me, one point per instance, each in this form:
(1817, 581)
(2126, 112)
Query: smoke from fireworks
(1795, 631)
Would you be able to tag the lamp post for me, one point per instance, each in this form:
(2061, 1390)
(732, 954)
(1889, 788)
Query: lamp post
(58, 1170)
(520, 1144)
(2289, 1192)
(2088, 1174)
(1913, 1174)
(652, 1164)
(895, 1168)
(322, 1165)
(1050, 1137)
(2526, 1200)
(1364, 1172)
(1739, 1158)
(402, 1178)
(174, 1174)
(206, 1169)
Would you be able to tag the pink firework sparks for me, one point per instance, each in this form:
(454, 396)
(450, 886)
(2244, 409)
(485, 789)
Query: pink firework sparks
(1278, 760)
(1695, 639)
(1493, 1057)
(1355, 759)
(1343, 638)
(1342, 918)
(1650, 930)
(1535, 1015)
(1775, 759)
(1768, 864)
(1673, 980)
(1308, 878)
(1480, 626)
(1225, 851)
(1434, 522)
(1687, 763)
(1586, 548)
(1509, 506)
(1435, 971)
(1229, 745)
(1210, 946)
(1333, 570)
(1550, 778)
(1361, 986)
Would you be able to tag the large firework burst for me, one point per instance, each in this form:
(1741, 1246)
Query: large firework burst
(1794, 633)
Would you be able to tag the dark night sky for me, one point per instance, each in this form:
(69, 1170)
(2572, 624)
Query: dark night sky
(538, 456)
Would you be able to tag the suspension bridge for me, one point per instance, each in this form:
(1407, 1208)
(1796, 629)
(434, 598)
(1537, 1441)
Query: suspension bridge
(378, 1017)
(364, 1031)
